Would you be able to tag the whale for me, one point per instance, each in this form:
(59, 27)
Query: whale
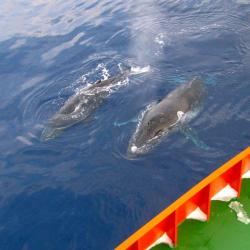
(82, 104)
(172, 113)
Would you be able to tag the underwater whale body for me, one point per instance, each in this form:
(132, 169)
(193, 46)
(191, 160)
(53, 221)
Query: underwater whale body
(82, 104)
(173, 112)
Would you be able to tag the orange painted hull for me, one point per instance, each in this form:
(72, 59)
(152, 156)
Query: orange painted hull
(167, 221)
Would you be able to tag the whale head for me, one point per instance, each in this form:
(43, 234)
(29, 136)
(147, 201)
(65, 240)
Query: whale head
(150, 130)
(178, 107)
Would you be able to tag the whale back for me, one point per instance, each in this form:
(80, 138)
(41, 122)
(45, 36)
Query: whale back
(164, 116)
(81, 105)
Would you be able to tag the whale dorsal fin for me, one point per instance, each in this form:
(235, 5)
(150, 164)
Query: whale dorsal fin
(98, 81)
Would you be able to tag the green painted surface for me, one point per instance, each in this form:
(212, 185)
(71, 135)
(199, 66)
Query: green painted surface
(222, 232)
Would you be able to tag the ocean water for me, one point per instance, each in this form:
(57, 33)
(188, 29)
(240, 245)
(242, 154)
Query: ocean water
(79, 191)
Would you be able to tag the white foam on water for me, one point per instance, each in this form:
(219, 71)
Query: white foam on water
(83, 79)
(197, 214)
(241, 213)
(135, 70)
(159, 39)
(163, 239)
(105, 75)
(105, 72)
(246, 175)
(226, 194)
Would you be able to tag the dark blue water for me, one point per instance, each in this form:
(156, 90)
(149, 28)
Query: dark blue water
(79, 191)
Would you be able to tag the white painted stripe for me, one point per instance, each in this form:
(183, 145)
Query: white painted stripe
(197, 214)
(163, 239)
(246, 175)
(226, 194)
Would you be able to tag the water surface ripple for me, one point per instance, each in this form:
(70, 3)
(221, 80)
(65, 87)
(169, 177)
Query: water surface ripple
(80, 191)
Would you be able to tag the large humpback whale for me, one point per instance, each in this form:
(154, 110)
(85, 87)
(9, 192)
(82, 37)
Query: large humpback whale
(82, 104)
(173, 112)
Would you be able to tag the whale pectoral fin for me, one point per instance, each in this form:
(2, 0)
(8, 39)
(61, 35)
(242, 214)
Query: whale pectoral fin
(98, 81)
(89, 119)
(50, 133)
(119, 124)
(191, 135)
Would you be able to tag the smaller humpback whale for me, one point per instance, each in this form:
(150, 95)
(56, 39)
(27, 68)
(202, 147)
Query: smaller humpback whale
(82, 104)
(173, 112)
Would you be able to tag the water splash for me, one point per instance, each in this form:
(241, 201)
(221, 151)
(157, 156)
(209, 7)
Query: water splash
(135, 70)
(105, 71)
(159, 39)
(85, 80)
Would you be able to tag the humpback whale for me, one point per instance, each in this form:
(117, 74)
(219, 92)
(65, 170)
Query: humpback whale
(171, 113)
(82, 104)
